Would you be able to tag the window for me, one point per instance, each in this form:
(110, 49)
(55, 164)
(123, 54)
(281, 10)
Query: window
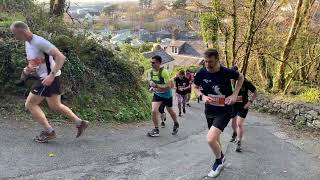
(176, 50)
(172, 49)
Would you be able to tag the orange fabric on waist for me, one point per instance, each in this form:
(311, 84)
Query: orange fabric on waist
(37, 61)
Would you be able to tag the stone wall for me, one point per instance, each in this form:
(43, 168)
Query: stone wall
(297, 113)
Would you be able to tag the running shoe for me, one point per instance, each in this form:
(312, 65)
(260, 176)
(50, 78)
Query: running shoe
(45, 136)
(82, 127)
(216, 169)
(175, 128)
(238, 148)
(163, 125)
(233, 138)
(154, 133)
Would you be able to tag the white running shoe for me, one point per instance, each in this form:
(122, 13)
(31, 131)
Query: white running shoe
(216, 169)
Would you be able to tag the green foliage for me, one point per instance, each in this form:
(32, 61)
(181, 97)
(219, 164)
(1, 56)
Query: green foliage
(110, 9)
(135, 55)
(311, 95)
(209, 27)
(179, 4)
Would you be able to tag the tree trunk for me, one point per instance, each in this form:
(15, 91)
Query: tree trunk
(57, 7)
(298, 19)
(265, 74)
(234, 32)
(250, 37)
(226, 39)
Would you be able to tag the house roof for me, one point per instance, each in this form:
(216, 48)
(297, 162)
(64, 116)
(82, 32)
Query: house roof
(194, 48)
(166, 58)
(180, 60)
(177, 43)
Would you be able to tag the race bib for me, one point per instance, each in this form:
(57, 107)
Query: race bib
(181, 88)
(218, 100)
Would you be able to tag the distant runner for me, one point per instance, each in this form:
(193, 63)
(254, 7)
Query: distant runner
(46, 60)
(163, 115)
(190, 77)
(218, 97)
(240, 110)
(182, 89)
(162, 87)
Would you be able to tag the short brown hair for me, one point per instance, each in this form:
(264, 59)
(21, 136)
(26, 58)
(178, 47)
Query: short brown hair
(181, 72)
(211, 53)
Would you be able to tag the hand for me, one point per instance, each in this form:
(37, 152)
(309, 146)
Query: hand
(48, 80)
(207, 99)
(28, 70)
(150, 90)
(231, 99)
(153, 84)
(248, 105)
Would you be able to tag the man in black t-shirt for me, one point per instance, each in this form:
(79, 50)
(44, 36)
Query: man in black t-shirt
(240, 110)
(182, 89)
(219, 98)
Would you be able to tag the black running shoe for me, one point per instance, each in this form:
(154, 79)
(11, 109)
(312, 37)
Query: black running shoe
(154, 133)
(184, 110)
(163, 125)
(239, 149)
(175, 128)
(233, 138)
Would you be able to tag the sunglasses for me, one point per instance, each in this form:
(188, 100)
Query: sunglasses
(153, 62)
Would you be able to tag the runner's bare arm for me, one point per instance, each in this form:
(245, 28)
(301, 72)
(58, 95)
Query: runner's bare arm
(233, 98)
(59, 58)
(254, 96)
(239, 84)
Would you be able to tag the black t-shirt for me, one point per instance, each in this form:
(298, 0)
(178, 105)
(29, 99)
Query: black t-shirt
(181, 83)
(216, 84)
(246, 87)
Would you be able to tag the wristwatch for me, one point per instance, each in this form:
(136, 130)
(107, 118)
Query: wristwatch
(53, 73)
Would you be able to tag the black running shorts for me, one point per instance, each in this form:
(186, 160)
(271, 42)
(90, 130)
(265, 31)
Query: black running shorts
(47, 91)
(219, 121)
(238, 110)
(167, 102)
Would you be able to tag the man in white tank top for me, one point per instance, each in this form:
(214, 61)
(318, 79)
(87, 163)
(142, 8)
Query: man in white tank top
(46, 61)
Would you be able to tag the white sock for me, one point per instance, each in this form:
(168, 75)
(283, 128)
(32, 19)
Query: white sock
(49, 129)
(78, 122)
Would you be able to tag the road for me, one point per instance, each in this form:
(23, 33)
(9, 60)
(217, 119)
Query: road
(119, 152)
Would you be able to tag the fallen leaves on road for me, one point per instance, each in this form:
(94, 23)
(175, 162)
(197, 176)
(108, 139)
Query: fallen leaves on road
(51, 154)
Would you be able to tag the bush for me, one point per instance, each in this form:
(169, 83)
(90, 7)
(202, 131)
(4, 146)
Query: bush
(311, 95)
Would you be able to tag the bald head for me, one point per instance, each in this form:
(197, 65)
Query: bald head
(20, 30)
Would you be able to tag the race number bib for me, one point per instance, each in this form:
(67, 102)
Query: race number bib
(181, 88)
(218, 100)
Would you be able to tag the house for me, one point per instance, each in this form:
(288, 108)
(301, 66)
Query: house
(137, 43)
(186, 53)
(180, 53)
